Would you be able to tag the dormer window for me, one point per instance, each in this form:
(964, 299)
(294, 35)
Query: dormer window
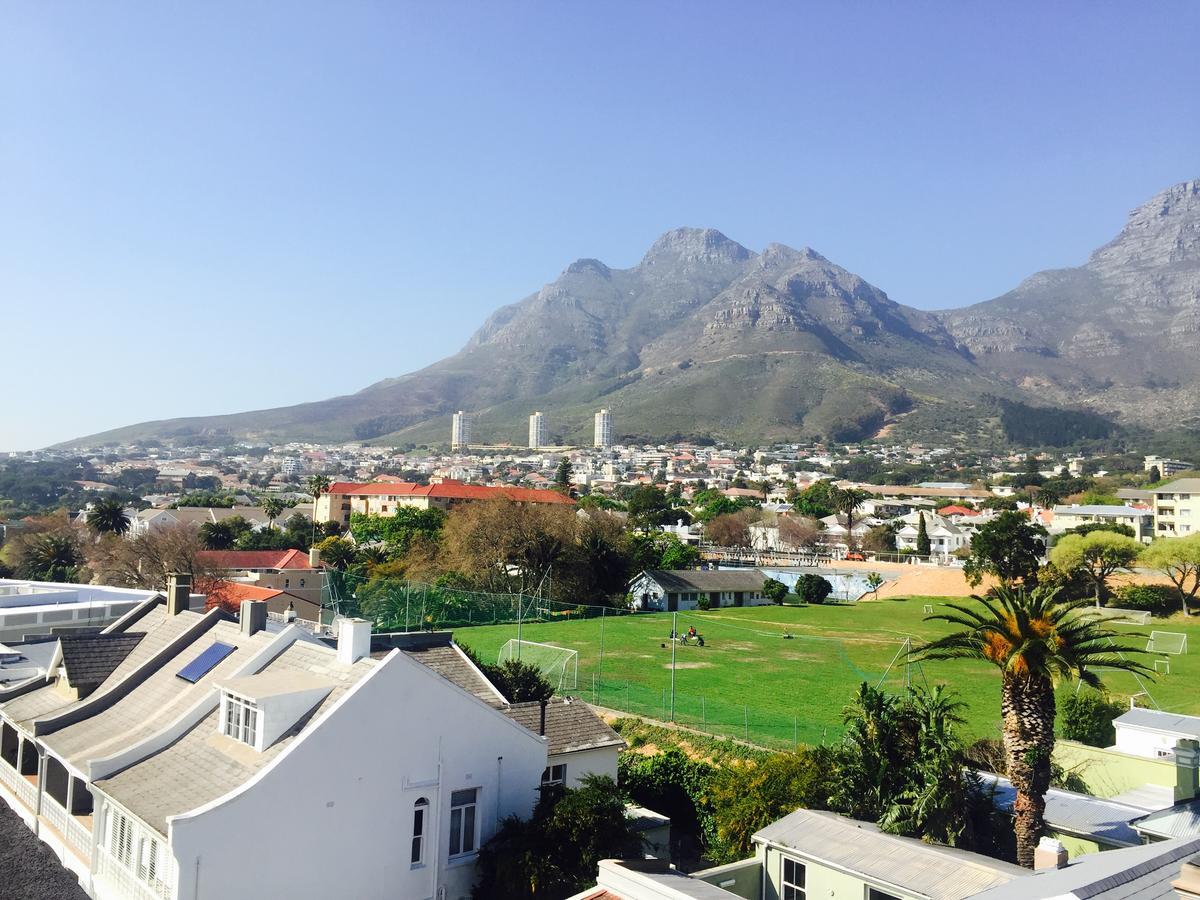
(241, 719)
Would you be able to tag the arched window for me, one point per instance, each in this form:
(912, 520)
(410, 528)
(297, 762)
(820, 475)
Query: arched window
(420, 814)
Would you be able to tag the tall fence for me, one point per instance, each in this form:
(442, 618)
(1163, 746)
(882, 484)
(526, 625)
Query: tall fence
(753, 679)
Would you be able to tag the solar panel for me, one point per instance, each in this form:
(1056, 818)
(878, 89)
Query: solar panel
(205, 662)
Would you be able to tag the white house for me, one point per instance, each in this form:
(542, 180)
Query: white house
(682, 589)
(32, 608)
(207, 741)
(1153, 733)
(1139, 520)
(944, 536)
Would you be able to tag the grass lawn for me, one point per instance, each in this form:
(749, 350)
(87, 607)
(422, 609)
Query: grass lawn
(749, 681)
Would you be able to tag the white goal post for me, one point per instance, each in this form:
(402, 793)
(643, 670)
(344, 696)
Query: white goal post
(1162, 667)
(1120, 616)
(560, 665)
(1172, 643)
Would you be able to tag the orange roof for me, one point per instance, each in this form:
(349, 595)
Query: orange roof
(229, 595)
(254, 559)
(449, 490)
(955, 510)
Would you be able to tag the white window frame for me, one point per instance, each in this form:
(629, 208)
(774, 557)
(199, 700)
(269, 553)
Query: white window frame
(464, 824)
(555, 773)
(240, 719)
(419, 830)
(134, 847)
(791, 890)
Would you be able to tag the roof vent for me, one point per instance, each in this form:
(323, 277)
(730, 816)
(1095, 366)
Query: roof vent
(1050, 854)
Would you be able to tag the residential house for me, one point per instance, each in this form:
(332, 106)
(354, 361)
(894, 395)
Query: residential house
(683, 589)
(204, 734)
(297, 573)
(32, 608)
(1177, 508)
(148, 520)
(944, 536)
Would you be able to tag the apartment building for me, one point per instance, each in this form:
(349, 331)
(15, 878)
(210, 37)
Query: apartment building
(537, 431)
(1138, 519)
(1176, 508)
(460, 431)
(385, 497)
(602, 432)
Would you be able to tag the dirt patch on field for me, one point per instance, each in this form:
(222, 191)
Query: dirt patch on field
(689, 665)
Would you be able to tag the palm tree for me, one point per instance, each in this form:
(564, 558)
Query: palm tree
(50, 557)
(218, 535)
(274, 508)
(1036, 638)
(317, 485)
(847, 501)
(108, 516)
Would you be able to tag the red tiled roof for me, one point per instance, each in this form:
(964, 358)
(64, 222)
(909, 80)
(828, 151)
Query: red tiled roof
(228, 595)
(254, 559)
(449, 490)
(955, 510)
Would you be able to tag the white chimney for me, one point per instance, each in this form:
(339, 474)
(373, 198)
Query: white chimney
(179, 593)
(354, 640)
(1050, 854)
(314, 558)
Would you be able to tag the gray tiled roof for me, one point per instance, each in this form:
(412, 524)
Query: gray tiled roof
(437, 651)
(1179, 486)
(1079, 814)
(90, 658)
(1135, 873)
(571, 725)
(935, 872)
(157, 701)
(204, 765)
(707, 580)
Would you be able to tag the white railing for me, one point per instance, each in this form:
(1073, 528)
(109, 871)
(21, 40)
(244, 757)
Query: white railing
(79, 836)
(53, 813)
(18, 784)
(127, 884)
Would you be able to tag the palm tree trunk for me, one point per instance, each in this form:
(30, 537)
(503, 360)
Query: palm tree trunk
(1028, 707)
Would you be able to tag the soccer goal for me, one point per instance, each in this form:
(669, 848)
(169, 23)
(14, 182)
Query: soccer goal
(1172, 643)
(560, 665)
(1162, 667)
(1131, 616)
(927, 609)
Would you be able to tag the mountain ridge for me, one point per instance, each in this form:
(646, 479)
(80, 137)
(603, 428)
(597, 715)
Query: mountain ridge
(704, 336)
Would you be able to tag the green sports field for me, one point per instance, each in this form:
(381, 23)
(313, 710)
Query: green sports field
(751, 681)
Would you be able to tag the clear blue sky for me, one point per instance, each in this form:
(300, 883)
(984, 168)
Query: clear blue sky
(214, 207)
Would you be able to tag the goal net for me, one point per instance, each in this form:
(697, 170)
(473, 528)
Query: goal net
(1132, 616)
(560, 665)
(1172, 643)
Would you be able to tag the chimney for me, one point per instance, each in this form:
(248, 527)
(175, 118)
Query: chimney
(314, 558)
(253, 614)
(1187, 769)
(354, 640)
(1187, 886)
(542, 720)
(179, 593)
(1050, 854)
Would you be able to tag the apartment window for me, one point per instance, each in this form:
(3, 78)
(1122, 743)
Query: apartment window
(876, 894)
(554, 775)
(792, 887)
(287, 582)
(133, 847)
(241, 719)
(420, 815)
(462, 821)
(301, 582)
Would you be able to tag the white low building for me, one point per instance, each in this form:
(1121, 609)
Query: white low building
(176, 753)
(30, 609)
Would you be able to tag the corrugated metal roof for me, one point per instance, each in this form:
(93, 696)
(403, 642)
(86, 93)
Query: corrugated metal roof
(887, 860)
(1186, 726)
(1136, 873)
(1180, 821)
(1078, 814)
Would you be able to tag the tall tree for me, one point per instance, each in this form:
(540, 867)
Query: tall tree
(108, 516)
(1096, 556)
(273, 507)
(317, 485)
(847, 501)
(50, 557)
(562, 476)
(1035, 639)
(1009, 547)
(1179, 559)
(922, 535)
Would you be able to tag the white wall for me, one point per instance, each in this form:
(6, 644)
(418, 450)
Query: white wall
(1140, 742)
(602, 761)
(332, 817)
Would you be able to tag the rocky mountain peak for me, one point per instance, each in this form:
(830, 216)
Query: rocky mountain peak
(695, 245)
(1163, 231)
(588, 267)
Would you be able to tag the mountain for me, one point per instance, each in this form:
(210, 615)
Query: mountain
(705, 338)
(1120, 333)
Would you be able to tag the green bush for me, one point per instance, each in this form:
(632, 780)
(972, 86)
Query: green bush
(1157, 599)
(704, 604)
(812, 588)
(774, 590)
(1087, 717)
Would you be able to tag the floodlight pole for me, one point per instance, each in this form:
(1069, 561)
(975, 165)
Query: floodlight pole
(600, 679)
(674, 641)
(520, 608)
